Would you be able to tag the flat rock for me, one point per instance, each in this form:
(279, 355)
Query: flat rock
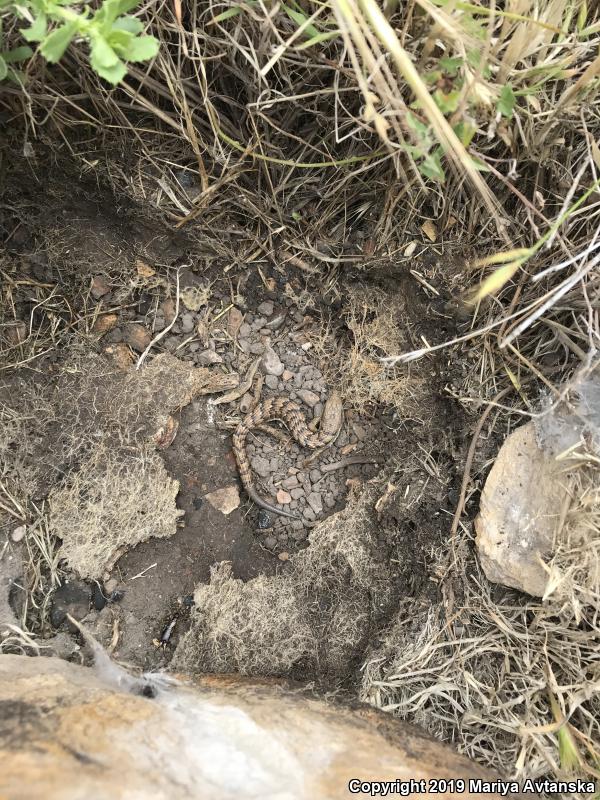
(261, 466)
(265, 309)
(283, 498)
(315, 501)
(136, 336)
(272, 382)
(519, 511)
(271, 362)
(224, 500)
(309, 398)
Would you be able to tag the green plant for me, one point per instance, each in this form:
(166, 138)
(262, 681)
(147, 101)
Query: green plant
(114, 36)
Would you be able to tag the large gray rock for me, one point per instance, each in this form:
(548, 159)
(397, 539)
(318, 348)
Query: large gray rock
(519, 513)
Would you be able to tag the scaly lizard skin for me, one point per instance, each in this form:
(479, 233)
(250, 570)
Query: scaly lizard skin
(289, 412)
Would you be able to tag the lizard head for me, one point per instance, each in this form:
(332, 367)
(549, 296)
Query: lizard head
(332, 416)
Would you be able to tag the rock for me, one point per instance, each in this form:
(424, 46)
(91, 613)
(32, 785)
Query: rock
(72, 597)
(290, 483)
(137, 337)
(315, 475)
(104, 323)
(264, 519)
(110, 585)
(257, 348)
(309, 398)
(208, 357)
(261, 466)
(265, 309)
(315, 502)
(114, 337)
(244, 345)
(18, 533)
(519, 509)
(284, 556)
(286, 375)
(120, 355)
(100, 286)
(272, 382)
(187, 323)
(270, 542)
(296, 493)
(245, 330)
(224, 500)
(283, 498)
(276, 323)
(271, 362)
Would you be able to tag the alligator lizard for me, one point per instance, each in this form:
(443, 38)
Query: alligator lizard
(284, 409)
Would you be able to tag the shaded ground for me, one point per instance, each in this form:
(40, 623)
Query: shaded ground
(104, 284)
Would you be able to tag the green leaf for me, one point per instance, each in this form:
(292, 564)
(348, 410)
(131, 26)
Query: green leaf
(3, 69)
(37, 31)
(18, 54)
(129, 24)
(320, 37)
(506, 101)
(299, 18)
(120, 41)
(447, 103)
(450, 65)
(465, 132)
(142, 48)
(432, 168)
(110, 10)
(114, 74)
(55, 44)
(102, 54)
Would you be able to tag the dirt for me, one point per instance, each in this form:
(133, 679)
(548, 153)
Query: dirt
(70, 259)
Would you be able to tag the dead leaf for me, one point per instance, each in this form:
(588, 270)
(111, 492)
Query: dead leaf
(144, 270)
(429, 230)
(409, 249)
(234, 321)
(165, 435)
(120, 354)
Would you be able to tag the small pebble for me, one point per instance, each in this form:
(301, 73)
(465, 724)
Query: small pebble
(270, 542)
(296, 493)
(272, 363)
(137, 337)
(18, 533)
(283, 497)
(100, 287)
(283, 556)
(276, 322)
(315, 475)
(265, 308)
(208, 357)
(257, 348)
(261, 466)
(264, 520)
(315, 502)
(286, 375)
(272, 382)
(310, 398)
(187, 323)
(245, 330)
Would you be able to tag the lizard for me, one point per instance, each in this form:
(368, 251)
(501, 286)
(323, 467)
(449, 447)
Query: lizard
(289, 412)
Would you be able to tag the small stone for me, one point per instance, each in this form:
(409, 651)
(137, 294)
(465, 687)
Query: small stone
(315, 475)
(257, 348)
(283, 498)
(359, 432)
(224, 500)
(284, 556)
(120, 354)
(272, 363)
(264, 522)
(318, 410)
(198, 503)
(187, 323)
(273, 464)
(286, 375)
(270, 542)
(18, 533)
(110, 585)
(261, 466)
(329, 500)
(137, 337)
(244, 345)
(272, 382)
(296, 493)
(309, 398)
(300, 534)
(276, 323)
(72, 597)
(258, 323)
(114, 337)
(315, 502)
(265, 308)
(208, 357)
(290, 483)
(308, 513)
(100, 287)
(245, 330)
(104, 323)
(234, 321)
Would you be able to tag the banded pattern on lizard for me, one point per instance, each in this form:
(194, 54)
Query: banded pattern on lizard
(284, 409)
